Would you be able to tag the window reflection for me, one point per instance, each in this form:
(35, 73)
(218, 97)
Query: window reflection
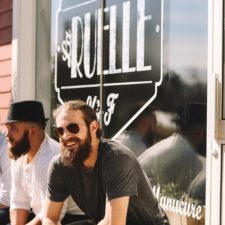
(173, 152)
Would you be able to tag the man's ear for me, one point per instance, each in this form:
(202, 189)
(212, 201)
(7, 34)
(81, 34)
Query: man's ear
(32, 131)
(94, 126)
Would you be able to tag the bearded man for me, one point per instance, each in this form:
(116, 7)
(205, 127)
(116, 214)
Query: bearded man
(102, 176)
(31, 150)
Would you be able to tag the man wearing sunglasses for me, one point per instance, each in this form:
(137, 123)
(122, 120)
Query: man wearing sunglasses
(102, 176)
(31, 150)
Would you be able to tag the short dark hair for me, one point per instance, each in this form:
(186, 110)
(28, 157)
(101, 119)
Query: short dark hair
(147, 112)
(191, 114)
(89, 113)
(41, 125)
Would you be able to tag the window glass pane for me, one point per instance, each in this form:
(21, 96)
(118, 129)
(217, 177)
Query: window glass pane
(75, 47)
(223, 70)
(145, 64)
(43, 76)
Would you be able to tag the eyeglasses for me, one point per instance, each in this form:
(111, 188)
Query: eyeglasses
(71, 127)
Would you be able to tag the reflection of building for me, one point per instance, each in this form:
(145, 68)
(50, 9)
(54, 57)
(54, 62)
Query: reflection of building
(188, 41)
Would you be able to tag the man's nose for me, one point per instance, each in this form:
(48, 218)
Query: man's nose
(66, 134)
(7, 133)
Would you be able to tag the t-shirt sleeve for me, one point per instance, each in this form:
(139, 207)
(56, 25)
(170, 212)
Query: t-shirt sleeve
(120, 177)
(57, 190)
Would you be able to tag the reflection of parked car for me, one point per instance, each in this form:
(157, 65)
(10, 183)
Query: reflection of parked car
(177, 159)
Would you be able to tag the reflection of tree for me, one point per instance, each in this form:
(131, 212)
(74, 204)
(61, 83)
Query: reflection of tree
(171, 190)
(174, 90)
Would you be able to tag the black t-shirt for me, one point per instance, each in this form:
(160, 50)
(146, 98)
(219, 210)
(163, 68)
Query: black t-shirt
(116, 173)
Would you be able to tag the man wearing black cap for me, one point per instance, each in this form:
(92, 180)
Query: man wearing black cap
(31, 150)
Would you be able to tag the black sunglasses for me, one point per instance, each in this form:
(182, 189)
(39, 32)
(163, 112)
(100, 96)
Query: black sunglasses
(71, 127)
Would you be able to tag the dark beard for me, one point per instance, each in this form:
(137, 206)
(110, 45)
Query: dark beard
(21, 147)
(148, 140)
(77, 157)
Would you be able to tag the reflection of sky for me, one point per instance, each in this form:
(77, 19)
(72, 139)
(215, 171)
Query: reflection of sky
(188, 16)
(186, 38)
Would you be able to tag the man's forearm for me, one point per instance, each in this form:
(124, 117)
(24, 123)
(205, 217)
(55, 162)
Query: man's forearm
(3, 206)
(18, 216)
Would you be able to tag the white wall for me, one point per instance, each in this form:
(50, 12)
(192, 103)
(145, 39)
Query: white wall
(23, 49)
(31, 63)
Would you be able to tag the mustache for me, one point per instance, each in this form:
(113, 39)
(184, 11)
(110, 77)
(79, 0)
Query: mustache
(11, 140)
(72, 139)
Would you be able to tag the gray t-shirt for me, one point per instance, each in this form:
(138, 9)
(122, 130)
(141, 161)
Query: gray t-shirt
(116, 173)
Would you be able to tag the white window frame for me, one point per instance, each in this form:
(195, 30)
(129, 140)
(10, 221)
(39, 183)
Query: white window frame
(215, 124)
(43, 60)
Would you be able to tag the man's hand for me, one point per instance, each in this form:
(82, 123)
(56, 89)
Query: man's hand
(34, 221)
(51, 213)
(116, 212)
